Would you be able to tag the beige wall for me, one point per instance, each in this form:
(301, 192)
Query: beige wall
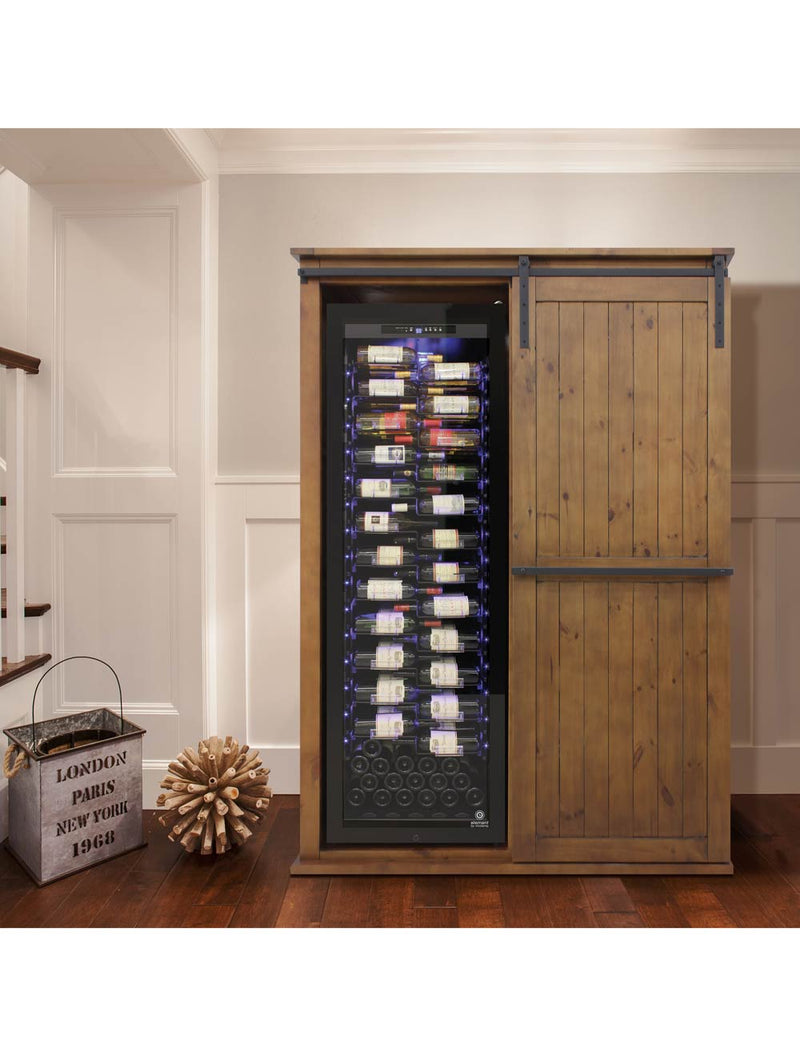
(259, 428)
(262, 216)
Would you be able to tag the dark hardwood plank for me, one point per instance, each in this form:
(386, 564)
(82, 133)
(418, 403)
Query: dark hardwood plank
(208, 916)
(567, 903)
(653, 902)
(523, 902)
(479, 903)
(38, 904)
(435, 917)
(618, 920)
(347, 904)
(261, 899)
(80, 908)
(607, 894)
(434, 892)
(698, 904)
(392, 902)
(230, 872)
(303, 902)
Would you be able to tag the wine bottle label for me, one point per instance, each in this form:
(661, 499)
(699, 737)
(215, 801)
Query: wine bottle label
(390, 691)
(444, 640)
(450, 404)
(389, 622)
(451, 371)
(443, 437)
(384, 589)
(445, 706)
(390, 555)
(444, 673)
(448, 473)
(445, 742)
(376, 522)
(393, 421)
(384, 354)
(445, 538)
(451, 605)
(389, 724)
(386, 387)
(445, 572)
(444, 504)
(389, 657)
(380, 488)
(399, 507)
(389, 454)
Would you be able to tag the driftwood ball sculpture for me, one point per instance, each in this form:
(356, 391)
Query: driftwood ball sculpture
(212, 794)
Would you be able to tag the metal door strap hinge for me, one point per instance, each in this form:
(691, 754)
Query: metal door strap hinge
(720, 272)
(524, 313)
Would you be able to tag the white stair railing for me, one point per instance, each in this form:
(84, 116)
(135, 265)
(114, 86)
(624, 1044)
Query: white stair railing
(15, 515)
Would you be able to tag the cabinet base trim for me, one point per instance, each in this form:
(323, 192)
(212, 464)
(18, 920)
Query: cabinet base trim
(330, 866)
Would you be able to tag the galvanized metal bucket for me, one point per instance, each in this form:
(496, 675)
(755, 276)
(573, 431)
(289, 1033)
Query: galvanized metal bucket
(77, 801)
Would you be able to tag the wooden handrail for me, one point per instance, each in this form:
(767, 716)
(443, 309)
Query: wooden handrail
(19, 361)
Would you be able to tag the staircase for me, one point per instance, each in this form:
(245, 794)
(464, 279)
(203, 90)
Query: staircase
(15, 609)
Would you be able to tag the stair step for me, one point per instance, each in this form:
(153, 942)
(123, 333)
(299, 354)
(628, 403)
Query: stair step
(2, 544)
(9, 672)
(32, 608)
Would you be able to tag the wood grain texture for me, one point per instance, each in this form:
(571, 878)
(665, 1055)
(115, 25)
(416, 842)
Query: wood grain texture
(645, 709)
(571, 443)
(695, 429)
(645, 430)
(522, 595)
(548, 501)
(670, 709)
(547, 708)
(695, 709)
(595, 695)
(619, 289)
(620, 709)
(571, 714)
(595, 429)
(620, 437)
(310, 566)
(670, 429)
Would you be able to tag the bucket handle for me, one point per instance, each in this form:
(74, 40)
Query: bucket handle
(58, 664)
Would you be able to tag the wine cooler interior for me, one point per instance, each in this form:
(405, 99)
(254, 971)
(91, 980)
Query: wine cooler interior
(415, 559)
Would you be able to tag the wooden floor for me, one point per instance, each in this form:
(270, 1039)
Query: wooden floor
(161, 886)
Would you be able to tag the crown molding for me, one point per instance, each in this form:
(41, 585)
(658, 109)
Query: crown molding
(298, 151)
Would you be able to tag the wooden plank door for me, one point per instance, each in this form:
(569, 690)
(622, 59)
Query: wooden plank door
(619, 684)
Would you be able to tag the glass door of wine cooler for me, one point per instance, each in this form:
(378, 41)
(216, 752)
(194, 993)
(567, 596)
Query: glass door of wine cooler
(415, 558)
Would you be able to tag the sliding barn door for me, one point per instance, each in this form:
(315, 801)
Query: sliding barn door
(619, 674)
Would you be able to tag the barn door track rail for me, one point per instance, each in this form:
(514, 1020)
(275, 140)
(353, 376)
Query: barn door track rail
(524, 271)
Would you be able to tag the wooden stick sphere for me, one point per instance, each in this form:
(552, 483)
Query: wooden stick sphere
(212, 794)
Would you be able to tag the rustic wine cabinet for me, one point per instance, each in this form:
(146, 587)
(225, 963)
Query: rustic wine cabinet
(616, 727)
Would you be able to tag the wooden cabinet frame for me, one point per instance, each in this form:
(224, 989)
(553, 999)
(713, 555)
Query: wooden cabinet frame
(528, 852)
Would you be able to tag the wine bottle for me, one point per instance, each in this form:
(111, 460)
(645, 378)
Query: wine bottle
(448, 539)
(452, 439)
(446, 639)
(446, 674)
(388, 422)
(388, 656)
(394, 453)
(397, 386)
(450, 707)
(451, 375)
(389, 690)
(396, 556)
(387, 622)
(447, 505)
(384, 590)
(386, 487)
(385, 355)
(449, 606)
(387, 725)
(448, 471)
(450, 406)
(448, 572)
(443, 741)
(384, 521)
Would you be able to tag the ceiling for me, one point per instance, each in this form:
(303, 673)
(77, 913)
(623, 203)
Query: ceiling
(189, 155)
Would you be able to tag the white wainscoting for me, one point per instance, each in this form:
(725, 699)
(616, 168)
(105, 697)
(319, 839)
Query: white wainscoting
(258, 626)
(765, 643)
(258, 619)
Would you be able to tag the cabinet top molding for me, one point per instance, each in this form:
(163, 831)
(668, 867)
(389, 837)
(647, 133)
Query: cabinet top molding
(575, 253)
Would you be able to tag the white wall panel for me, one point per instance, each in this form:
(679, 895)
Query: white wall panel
(272, 578)
(787, 602)
(115, 342)
(742, 632)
